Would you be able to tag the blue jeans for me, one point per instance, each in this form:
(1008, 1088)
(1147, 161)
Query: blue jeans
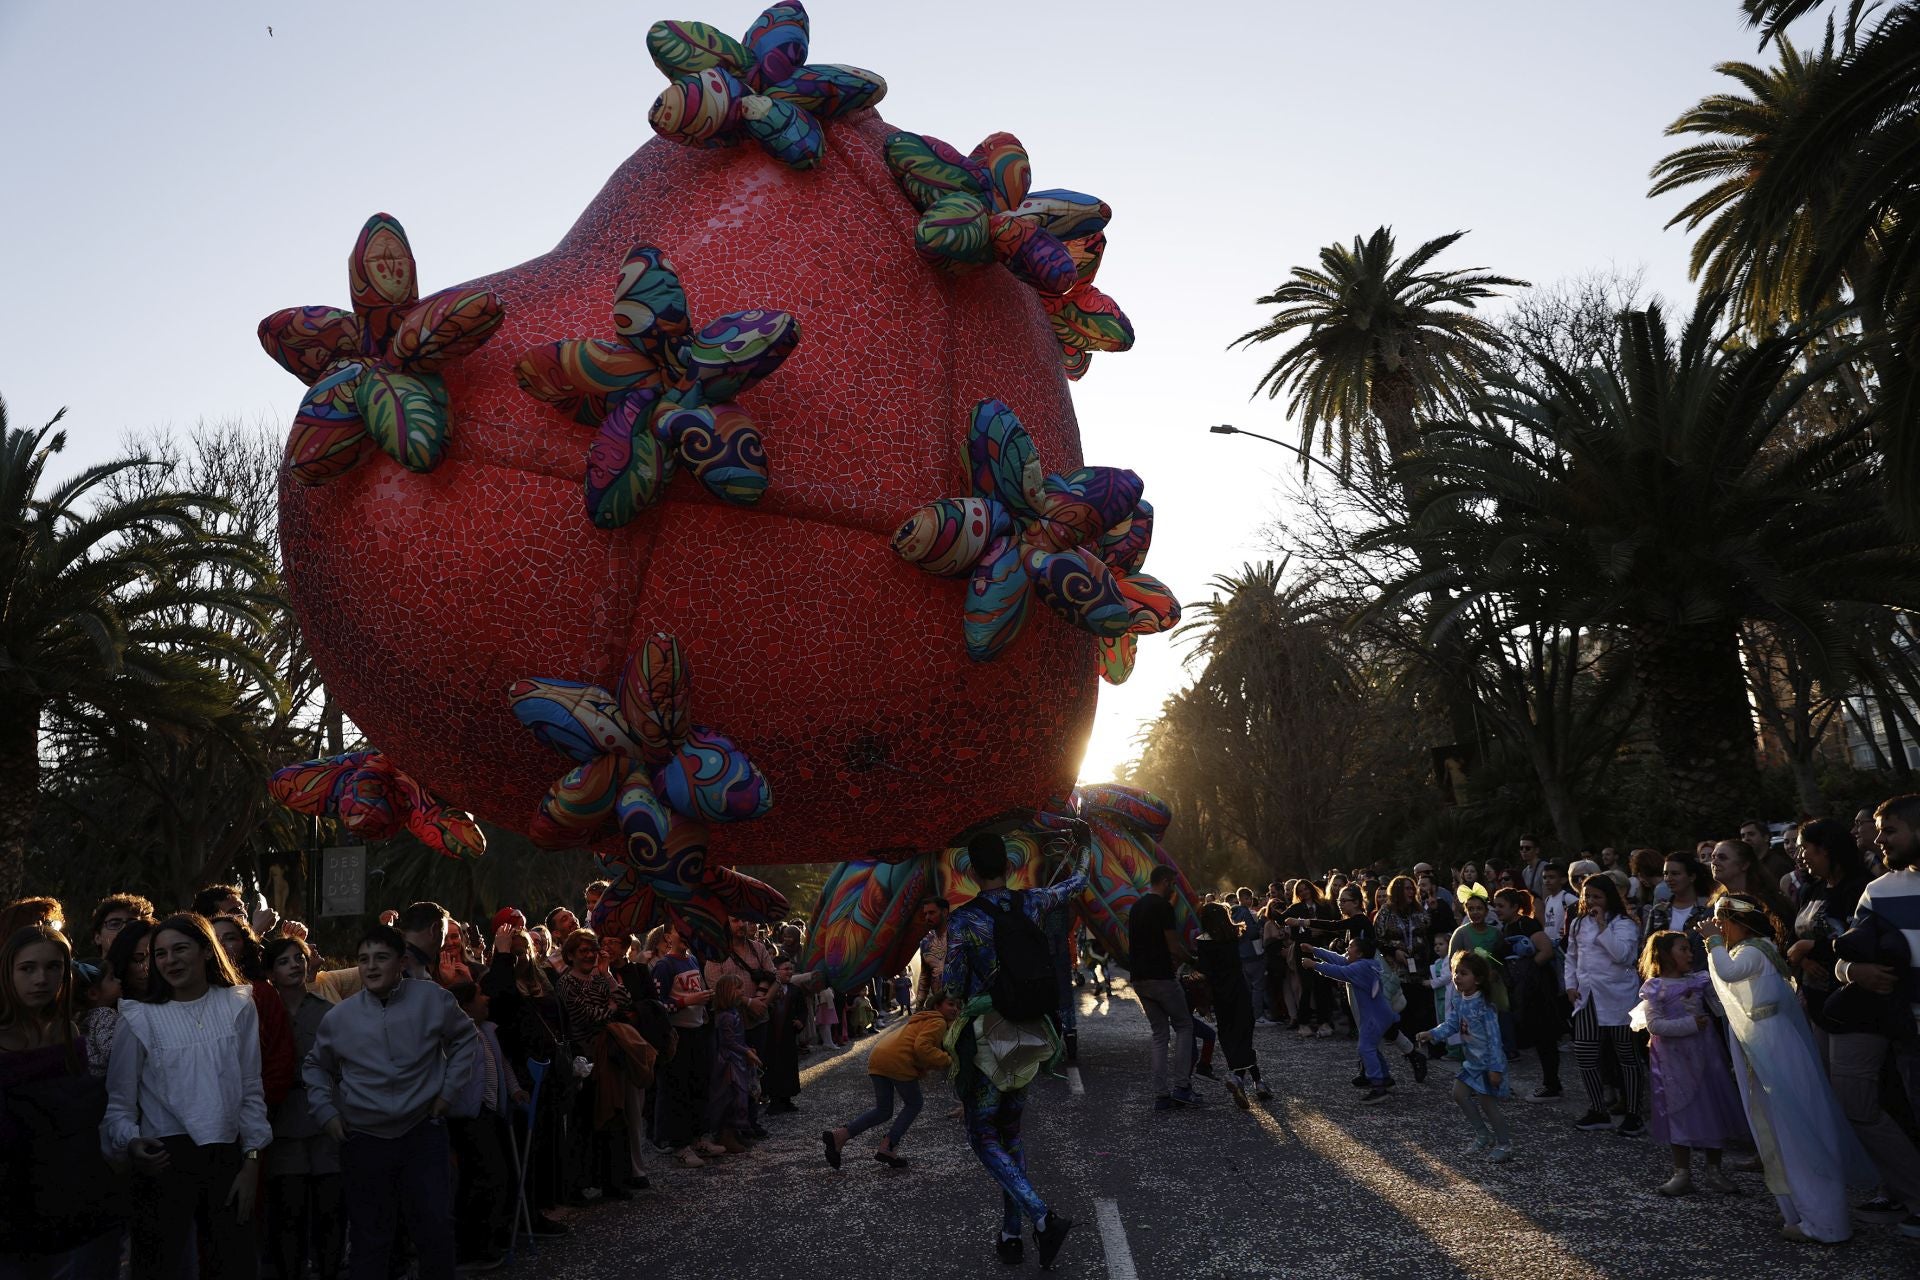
(1254, 970)
(384, 1178)
(883, 1091)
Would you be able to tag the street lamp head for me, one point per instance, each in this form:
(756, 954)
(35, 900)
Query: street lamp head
(1225, 429)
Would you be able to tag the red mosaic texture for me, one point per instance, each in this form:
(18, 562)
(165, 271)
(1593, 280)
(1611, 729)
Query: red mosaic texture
(836, 666)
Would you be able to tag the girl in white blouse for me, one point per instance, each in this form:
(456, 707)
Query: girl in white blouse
(184, 1102)
(1604, 985)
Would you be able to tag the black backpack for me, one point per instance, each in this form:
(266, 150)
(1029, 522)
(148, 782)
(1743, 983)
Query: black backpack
(1024, 985)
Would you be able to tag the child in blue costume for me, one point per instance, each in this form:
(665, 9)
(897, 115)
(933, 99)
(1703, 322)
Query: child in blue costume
(1362, 977)
(1482, 1081)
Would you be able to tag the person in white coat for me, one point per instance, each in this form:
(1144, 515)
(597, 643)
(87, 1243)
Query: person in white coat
(1808, 1149)
(1603, 985)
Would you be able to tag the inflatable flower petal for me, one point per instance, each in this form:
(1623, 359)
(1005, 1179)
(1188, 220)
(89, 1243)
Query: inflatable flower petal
(1084, 319)
(684, 891)
(646, 769)
(724, 89)
(978, 209)
(1075, 541)
(375, 801)
(375, 371)
(664, 393)
(710, 778)
(865, 923)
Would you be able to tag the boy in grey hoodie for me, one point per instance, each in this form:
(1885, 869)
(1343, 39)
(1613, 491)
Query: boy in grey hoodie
(384, 1071)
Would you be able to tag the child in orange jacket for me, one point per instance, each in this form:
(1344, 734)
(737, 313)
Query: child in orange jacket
(895, 1065)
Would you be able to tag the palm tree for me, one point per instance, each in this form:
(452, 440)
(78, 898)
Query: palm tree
(1851, 153)
(1667, 504)
(114, 614)
(1386, 340)
(1742, 133)
(1277, 705)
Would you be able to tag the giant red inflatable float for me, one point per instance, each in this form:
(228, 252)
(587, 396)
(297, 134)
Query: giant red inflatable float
(840, 668)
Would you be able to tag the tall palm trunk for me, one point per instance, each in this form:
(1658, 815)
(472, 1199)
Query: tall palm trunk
(1394, 399)
(1702, 722)
(19, 791)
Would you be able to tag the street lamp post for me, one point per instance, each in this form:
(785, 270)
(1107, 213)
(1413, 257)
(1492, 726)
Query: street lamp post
(1228, 429)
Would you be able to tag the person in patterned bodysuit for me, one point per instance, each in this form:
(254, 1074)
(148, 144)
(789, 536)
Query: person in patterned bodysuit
(992, 1114)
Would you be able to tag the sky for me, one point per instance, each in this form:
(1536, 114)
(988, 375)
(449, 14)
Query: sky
(174, 172)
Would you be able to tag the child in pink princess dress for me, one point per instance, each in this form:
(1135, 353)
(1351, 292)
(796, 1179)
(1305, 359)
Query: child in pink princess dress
(1695, 1106)
(826, 1017)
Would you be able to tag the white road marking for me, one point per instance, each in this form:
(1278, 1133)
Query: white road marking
(1113, 1239)
(1075, 1085)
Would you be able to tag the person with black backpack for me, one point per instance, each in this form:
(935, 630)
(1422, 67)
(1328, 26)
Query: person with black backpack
(1001, 974)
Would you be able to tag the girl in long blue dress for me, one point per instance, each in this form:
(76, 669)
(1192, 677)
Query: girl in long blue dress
(1474, 1025)
(1806, 1145)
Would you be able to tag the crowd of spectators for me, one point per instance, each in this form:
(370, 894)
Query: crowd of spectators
(203, 1093)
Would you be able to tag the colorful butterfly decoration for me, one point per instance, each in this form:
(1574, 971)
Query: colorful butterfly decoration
(763, 88)
(1076, 541)
(375, 801)
(663, 393)
(977, 209)
(372, 373)
(864, 925)
(642, 766)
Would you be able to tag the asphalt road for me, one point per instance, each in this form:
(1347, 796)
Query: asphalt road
(1310, 1184)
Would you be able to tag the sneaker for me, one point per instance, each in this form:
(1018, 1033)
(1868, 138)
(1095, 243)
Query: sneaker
(1544, 1094)
(1325, 1033)
(1910, 1226)
(1048, 1241)
(1304, 1031)
(1480, 1145)
(1499, 1155)
(1680, 1184)
(1239, 1093)
(689, 1158)
(1418, 1061)
(1185, 1097)
(831, 1148)
(1362, 1081)
(1262, 1094)
(890, 1160)
(1376, 1095)
(1880, 1209)
(1203, 1069)
(1594, 1122)
(1632, 1127)
(1012, 1252)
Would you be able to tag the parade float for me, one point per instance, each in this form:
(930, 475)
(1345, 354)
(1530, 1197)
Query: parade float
(787, 407)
